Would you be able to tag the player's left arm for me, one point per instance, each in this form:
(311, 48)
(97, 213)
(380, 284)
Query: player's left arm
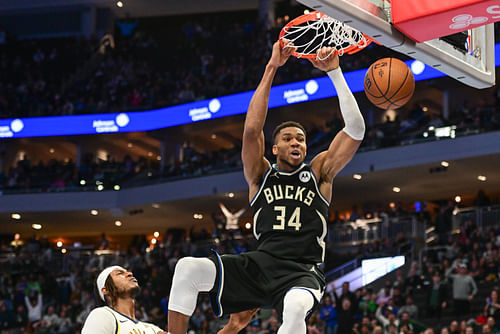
(329, 163)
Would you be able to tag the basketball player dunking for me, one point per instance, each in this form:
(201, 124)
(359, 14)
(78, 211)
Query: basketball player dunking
(290, 202)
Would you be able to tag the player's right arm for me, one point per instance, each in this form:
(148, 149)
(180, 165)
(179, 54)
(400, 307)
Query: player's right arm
(253, 147)
(99, 321)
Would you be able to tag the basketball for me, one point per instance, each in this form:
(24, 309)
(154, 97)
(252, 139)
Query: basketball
(389, 83)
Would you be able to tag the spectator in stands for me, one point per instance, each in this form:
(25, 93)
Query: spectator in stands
(413, 281)
(405, 324)
(103, 243)
(328, 313)
(34, 306)
(397, 297)
(6, 317)
(385, 293)
(454, 329)
(312, 327)
(437, 296)
(409, 308)
(367, 303)
(64, 324)
(346, 317)
(20, 317)
(400, 281)
(492, 307)
(492, 325)
(464, 289)
(49, 321)
(387, 320)
(347, 293)
(486, 329)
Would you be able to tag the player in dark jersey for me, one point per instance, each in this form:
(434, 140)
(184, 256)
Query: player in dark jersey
(290, 202)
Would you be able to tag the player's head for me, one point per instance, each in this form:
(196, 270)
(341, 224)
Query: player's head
(115, 282)
(290, 143)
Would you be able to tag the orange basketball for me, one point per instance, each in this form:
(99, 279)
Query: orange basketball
(389, 83)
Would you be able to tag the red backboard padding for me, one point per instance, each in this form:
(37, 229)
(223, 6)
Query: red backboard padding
(423, 20)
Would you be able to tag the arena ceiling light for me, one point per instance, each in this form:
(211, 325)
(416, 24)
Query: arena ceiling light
(155, 205)
(59, 244)
(100, 187)
(94, 212)
(248, 226)
(36, 226)
(64, 251)
(116, 187)
(15, 216)
(396, 189)
(83, 182)
(119, 4)
(357, 176)
(118, 223)
(458, 199)
(156, 234)
(481, 178)
(445, 163)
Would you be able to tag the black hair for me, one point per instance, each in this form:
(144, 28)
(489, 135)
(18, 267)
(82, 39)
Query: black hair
(111, 297)
(286, 125)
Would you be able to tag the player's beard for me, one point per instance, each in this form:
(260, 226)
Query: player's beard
(132, 292)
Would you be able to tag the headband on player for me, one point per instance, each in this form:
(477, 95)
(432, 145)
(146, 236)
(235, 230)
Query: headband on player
(103, 276)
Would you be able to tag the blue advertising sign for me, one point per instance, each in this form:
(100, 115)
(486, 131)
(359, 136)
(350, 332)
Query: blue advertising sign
(282, 95)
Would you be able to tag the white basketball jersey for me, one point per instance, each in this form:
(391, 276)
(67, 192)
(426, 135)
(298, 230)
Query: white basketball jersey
(105, 320)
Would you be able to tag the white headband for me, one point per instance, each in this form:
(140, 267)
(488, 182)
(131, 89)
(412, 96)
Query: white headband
(103, 276)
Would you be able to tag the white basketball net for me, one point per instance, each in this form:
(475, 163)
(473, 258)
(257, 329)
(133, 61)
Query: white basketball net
(326, 31)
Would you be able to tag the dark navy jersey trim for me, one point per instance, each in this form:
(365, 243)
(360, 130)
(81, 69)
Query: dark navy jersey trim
(123, 315)
(266, 174)
(219, 311)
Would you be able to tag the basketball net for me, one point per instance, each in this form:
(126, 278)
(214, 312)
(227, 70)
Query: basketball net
(310, 32)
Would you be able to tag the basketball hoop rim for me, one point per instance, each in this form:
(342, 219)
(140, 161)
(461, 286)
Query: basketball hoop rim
(314, 16)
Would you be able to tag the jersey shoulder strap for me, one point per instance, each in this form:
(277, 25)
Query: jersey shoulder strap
(117, 323)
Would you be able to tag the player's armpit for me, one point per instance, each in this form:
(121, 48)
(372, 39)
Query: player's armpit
(329, 163)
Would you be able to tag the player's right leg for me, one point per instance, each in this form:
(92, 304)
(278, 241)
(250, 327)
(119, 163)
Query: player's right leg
(191, 276)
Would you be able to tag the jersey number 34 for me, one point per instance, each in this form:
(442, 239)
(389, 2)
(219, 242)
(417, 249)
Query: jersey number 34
(293, 222)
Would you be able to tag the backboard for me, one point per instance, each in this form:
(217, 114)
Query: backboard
(373, 18)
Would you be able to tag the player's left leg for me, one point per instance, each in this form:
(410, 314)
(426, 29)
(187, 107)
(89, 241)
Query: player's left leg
(191, 276)
(297, 304)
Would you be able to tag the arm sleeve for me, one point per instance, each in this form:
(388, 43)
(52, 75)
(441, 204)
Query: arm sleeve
(354, 122)
(99, 321)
